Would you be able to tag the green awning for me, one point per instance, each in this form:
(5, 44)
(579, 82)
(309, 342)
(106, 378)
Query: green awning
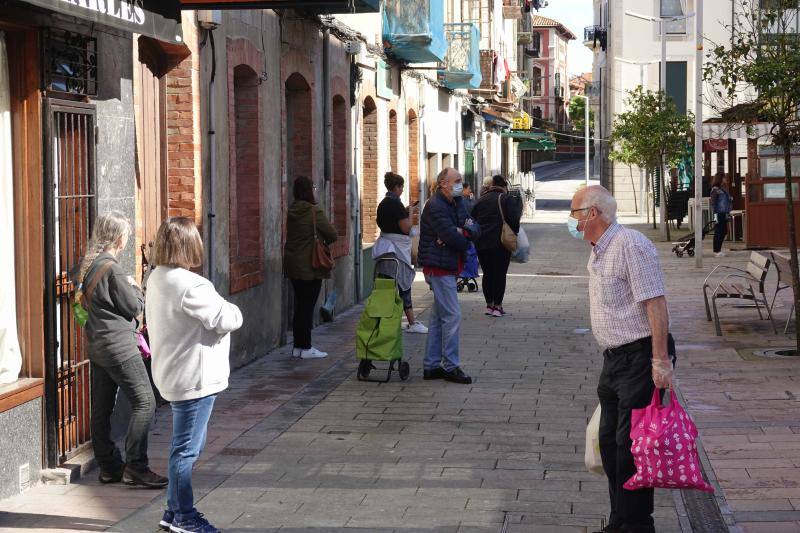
(537, 145)
(531, 140)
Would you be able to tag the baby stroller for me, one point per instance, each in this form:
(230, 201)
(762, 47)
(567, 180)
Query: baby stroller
(686, 244)
(379, 334)
(469, 275)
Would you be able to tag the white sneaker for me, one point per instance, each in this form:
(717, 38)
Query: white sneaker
(416, 327)
(312, 353)
(719, 254)
(296, 352)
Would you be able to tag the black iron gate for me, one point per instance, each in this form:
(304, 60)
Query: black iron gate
(70, 205)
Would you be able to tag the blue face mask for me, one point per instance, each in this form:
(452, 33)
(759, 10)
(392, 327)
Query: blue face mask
(458, 189)
(572, 226)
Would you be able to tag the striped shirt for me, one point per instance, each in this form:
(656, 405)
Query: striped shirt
(623, 274)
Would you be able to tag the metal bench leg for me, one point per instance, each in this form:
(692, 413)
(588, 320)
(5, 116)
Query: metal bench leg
(788, 320)
(758, 307)
(769, 314)
(705, 297)
(716, 317)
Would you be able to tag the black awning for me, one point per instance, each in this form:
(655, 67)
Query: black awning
(159, 19)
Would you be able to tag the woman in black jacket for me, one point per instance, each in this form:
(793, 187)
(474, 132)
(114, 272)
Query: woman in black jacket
(492, 255)
(114, 302)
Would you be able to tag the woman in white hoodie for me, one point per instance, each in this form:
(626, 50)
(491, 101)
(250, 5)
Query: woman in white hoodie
(189, 326)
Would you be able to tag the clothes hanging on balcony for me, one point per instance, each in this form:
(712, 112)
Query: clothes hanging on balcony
(501, 70)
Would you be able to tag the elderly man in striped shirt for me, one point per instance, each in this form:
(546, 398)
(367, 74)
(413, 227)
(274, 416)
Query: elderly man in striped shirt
(631, 322)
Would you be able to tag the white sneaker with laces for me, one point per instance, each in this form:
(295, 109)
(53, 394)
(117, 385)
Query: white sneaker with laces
(313, 353)
(719, 254)
(416, 327)
(296, 352)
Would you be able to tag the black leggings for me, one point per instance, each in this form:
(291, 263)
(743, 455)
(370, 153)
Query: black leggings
(494, 263)
(720, 231)
(306, 293)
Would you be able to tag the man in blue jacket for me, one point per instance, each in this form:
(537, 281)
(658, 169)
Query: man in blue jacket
(444, 238)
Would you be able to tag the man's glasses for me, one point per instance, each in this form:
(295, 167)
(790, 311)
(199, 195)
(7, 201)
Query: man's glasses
(573, 211)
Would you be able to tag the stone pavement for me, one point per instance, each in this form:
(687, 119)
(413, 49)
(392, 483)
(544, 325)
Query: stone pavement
(303, 446)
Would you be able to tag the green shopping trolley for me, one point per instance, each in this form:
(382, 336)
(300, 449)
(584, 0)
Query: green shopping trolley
(379, 335)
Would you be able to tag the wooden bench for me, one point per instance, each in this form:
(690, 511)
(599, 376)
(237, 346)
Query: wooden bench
(784, 268)
(739, 284)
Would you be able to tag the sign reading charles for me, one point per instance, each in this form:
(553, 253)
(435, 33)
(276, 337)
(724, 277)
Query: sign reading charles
(159, 19)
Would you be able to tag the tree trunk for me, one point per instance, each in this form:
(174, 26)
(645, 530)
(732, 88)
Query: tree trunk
(633, 187)
(653, 190)
(787, 166)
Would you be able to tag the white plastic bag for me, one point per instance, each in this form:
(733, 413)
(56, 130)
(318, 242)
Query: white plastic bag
(594, 463)
(523, 248)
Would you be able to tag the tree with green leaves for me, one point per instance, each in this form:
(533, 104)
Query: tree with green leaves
(756, 78)
(577, 114)
(652, 134)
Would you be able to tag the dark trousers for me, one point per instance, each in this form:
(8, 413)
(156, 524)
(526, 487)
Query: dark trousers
(306, 293)
(626, 383)
(720, 230)
(494, 263)
(131, 378)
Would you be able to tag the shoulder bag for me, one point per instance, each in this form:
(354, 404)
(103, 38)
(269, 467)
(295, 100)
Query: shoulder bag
(321, 258)
(81, 309)
(507, 236)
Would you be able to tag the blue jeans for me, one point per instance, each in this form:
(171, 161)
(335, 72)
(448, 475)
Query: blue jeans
(445, 320)
(189, 425)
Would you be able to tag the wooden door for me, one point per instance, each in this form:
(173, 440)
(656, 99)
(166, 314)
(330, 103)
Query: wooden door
(151, 150)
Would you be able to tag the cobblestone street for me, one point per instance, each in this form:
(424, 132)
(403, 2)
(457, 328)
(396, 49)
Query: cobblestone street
(303, 446)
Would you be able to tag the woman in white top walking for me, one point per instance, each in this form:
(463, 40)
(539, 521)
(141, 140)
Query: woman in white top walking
(190, 326)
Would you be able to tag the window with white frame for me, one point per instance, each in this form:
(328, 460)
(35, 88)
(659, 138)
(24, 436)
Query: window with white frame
(674, 8)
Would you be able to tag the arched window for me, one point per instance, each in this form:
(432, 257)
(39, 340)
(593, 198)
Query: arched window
(246, 242)
(393, 140)
(413, 157)
(340, 181)
(300, 153)
(369, 194)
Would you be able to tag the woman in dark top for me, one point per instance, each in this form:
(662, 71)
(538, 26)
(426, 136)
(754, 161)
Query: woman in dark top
(721, 204)
(114, 303)
(306, 280)
(394, 221)
(493, 256)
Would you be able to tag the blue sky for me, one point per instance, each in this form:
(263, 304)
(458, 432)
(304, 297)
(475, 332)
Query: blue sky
(575, 15)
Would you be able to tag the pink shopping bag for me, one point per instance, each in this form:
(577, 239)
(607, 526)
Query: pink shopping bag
(664, 448)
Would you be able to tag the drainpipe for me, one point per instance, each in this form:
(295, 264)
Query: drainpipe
(355, 201)
(212, 172)
(327, 148)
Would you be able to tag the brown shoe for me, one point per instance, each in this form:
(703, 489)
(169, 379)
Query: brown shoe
(143, 478)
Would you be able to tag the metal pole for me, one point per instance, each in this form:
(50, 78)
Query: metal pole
(586, 144)
(698, 136)
(663, 86)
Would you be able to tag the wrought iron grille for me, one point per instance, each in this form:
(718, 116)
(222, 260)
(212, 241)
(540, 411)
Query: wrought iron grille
(71, 199)
(71, 63)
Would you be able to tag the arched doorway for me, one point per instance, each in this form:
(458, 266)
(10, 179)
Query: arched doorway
(369, 194)
(413, 158)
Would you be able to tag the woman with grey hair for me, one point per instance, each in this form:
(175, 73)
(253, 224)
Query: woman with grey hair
(114, 302)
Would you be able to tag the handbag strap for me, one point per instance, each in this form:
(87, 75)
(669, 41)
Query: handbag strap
(314, 220)
(500, 205)
(87, 294)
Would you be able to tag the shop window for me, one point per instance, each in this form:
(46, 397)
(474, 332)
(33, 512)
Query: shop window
(340, 182)
(369, 194)
(246, 242)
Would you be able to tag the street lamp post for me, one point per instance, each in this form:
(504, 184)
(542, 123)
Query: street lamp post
(698, 137)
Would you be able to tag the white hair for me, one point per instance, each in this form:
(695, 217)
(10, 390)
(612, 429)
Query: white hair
(599, 198)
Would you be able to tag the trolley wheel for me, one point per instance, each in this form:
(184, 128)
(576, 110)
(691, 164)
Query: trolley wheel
(679, 254)
(460, 287)
(472, 286)
(364, 368)
(691, 253)
(404, 370)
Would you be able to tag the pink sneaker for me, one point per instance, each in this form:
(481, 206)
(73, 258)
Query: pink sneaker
(496, 313)
(489, 311)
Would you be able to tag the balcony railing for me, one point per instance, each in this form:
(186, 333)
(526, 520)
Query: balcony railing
(462, 66)
(413, 30)
(512, 9)
(594, 36)
(534, 49)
